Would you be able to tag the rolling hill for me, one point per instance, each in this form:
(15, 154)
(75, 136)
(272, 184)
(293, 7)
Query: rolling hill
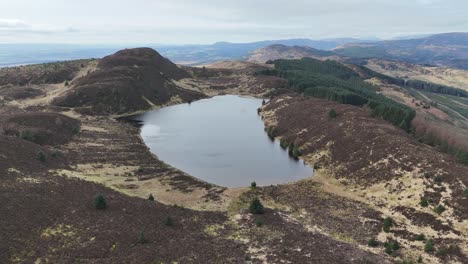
(449, 49)
(278, 51)
(129, 80)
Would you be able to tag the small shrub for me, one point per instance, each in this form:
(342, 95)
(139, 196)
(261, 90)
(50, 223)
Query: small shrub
(168, 221)
(272, 132)
(259, 222)
(247, 258)
(420, 259)
(429, 246)
(388, 222)
(140, 170)
(395, 245)
(420, 237)
(56, 154)
(388, 249)
(424, 202)
(253, 185)
(465, 192)
(332, 114)
(76, 130)
(40, 156)
(151, 197)
(437, 179)
(256, 207)
(372, 243)
(296, 151)
(439, 209)
(142, 238)
(66, 83)
(391, 246)
(442, 252)
(29, 136)
(100, 202)
(263, 102)
(284, 143)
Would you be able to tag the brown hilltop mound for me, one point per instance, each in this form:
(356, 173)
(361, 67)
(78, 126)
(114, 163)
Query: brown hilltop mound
(40, 128)
(129, 80)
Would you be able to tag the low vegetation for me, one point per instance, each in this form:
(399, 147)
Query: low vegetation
(439, 209)
(253, 185)
(256, 207)
(372, 243)
(420, 237)
(391, 247)
(424, 202)
(141, 238)
(100, 202)
(429, 246)
(168, 221)
(387, 224)
(259, 222)
(41, 156)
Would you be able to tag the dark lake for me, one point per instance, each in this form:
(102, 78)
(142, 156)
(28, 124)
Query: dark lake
(220, 140)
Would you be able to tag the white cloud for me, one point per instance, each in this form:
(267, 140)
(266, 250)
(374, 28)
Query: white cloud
(15, 26)
(12, 24)
(205, 21)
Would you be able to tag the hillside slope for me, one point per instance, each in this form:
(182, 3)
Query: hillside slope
(449, 49)
(277, 51)
(129, 80)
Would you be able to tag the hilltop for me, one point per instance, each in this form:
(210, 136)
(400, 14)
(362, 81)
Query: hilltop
(129, 80)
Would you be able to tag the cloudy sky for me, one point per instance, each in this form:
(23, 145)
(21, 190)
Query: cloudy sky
(207, 21)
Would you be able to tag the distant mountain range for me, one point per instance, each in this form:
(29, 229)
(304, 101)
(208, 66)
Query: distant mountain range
(202, 54)
(449, 49)
(21, 54)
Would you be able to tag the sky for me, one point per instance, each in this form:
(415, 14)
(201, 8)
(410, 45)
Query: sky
(209, 21)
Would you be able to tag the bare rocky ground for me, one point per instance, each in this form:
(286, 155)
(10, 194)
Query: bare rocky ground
(47, 213)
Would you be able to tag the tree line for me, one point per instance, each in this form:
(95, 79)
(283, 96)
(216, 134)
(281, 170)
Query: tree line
(416, 84)
(334, 81)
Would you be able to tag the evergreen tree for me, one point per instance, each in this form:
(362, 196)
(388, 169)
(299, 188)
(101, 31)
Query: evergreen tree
(142, 238)
(332, 114)
(151, 197)
(429, 246)
(256, 207)
(388, 222)
(168, 221)
(40, 156)
(100, 202)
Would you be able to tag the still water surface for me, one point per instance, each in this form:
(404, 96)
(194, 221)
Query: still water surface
(220, 140)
